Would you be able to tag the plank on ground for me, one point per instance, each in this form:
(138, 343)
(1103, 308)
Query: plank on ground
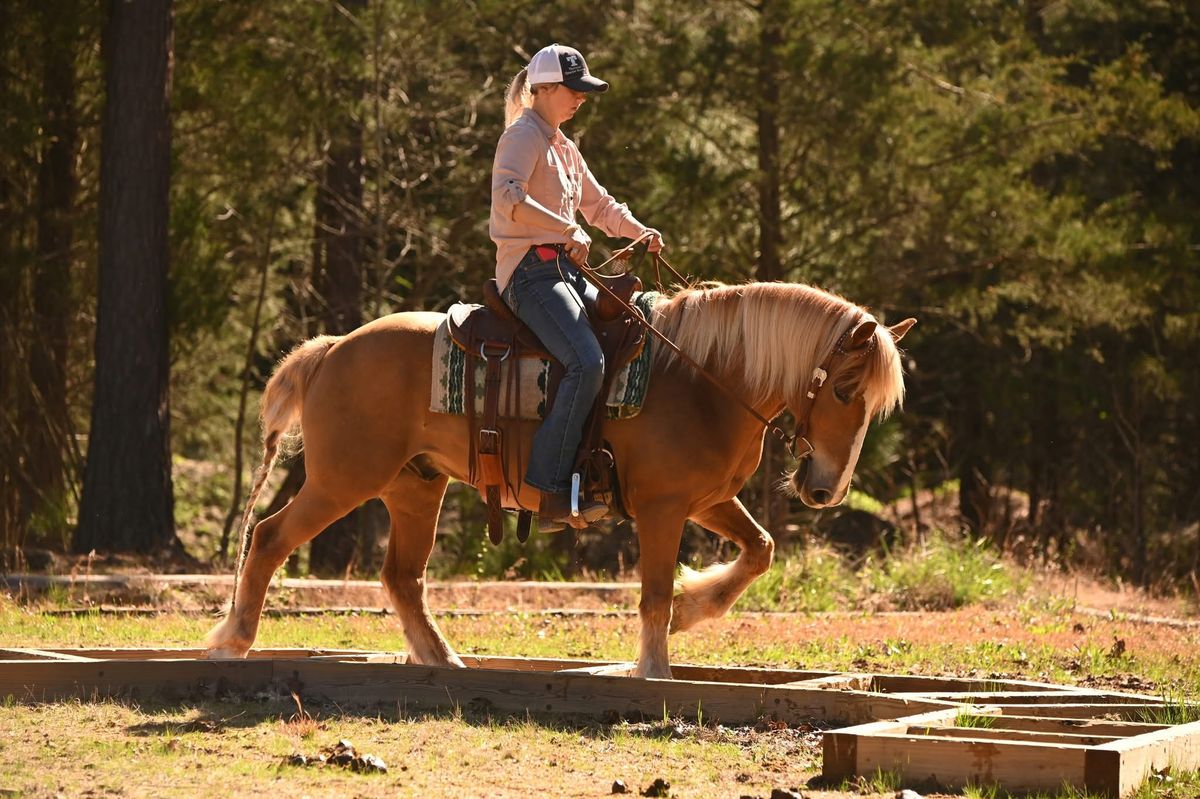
(1122, 711)
(1120, 729)
(556, 692)
(1175, 748)
(907, 683)
(839, 759)
(1033, 697)
(25, 653)
(507, 691)
(55, 680)
(1015, 736)
(952, 763)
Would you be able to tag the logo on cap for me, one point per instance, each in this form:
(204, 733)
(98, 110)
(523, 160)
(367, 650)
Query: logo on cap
(574, 65)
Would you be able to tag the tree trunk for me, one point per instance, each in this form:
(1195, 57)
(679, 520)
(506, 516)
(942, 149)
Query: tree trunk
(773, 506)
(127, 503)
(10, 292)
(348, 542)
(44, 415)
(974, 498)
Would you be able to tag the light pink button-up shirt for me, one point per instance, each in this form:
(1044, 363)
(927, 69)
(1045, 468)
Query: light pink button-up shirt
(538, 161)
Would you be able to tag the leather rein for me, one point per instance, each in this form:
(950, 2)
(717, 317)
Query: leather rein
(807, 402)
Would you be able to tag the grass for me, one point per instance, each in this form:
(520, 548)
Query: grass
(240, 747)
(942, 573)
(1174, 710)
(970, 720)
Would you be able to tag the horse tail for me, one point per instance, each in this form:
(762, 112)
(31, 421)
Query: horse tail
(282, 401)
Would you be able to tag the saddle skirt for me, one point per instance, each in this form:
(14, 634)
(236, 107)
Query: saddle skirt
(452, 385)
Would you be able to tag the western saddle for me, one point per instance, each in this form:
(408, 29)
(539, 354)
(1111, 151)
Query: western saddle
(492, 332)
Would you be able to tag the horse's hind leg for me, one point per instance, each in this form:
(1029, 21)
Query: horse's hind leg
(414, 504)
(710, 593)
(273, 539)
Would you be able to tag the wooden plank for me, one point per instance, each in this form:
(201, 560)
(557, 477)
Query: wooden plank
(839, 758)
(471, 661)
(1031, 697)
(1015, 736)
(504, 690)
(744, 675)
(955, 764)
(558, 692)
(194, 653)
(1123, 711)
(905, 683)
(1120, 729)
(839, 682)
(504, 663)
(1175, 748)
(52, 680)
(611, 669)
(20, 653)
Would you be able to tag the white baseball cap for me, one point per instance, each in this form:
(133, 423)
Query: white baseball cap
(557, 63)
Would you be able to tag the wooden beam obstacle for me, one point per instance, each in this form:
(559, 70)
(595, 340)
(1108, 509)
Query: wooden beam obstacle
(945, 731)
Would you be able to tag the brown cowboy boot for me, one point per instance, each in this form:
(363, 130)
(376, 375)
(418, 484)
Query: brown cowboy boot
(554, 512)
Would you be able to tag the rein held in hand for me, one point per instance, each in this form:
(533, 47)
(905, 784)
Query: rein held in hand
(820, 374)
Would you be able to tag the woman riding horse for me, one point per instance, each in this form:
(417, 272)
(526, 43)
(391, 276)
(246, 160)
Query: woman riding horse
(539, 182)
(362, 402)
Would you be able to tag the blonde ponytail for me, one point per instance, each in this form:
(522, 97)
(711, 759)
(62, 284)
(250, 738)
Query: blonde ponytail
(517, 98)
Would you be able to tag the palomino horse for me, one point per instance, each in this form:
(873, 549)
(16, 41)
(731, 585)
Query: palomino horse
(362, 403)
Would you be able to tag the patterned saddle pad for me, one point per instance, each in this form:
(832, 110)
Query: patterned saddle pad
(447, 394)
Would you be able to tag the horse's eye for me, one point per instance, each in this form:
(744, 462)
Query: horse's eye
(841, 395)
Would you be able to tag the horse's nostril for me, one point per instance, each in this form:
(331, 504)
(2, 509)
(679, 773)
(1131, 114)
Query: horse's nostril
(822, 496)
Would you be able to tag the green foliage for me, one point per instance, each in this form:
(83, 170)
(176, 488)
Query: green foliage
(812, 580)
(1020, 178)
(942, 573)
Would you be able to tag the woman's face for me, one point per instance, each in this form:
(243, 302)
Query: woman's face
(559, 102)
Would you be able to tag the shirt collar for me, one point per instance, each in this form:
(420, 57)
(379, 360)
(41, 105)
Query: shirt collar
(554, 135)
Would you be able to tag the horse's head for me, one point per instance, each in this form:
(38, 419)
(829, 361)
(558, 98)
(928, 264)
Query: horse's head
(863, 380)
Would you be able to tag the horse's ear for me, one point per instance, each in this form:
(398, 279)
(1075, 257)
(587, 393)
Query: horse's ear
(900, 328)
(862, 334)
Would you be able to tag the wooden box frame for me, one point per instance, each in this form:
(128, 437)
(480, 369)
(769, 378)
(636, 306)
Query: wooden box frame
(1021, 735)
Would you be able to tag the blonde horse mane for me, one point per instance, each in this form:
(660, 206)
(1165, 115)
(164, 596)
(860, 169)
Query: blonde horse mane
(772, 335)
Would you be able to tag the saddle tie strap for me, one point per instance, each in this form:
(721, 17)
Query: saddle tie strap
(491, 463)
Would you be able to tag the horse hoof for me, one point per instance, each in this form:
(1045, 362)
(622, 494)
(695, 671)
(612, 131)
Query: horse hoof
(653, 674)
(451, 661)
(225, 653)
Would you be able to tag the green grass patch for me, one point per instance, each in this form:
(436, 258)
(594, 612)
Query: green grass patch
(943, 573)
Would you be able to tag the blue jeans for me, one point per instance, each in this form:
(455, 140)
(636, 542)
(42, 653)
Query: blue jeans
(551, 304)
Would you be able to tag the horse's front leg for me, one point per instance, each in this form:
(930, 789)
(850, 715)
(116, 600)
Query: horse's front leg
(710, 593)
(659, 529)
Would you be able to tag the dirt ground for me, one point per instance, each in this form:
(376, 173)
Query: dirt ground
(1064, 630)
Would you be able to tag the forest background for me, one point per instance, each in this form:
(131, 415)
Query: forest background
(190, 188)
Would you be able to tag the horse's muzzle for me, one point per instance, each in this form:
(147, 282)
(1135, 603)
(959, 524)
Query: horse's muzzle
(813, 496)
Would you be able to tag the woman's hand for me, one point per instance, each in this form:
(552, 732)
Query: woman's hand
(577, 252)
(654, 241)
(578, 247)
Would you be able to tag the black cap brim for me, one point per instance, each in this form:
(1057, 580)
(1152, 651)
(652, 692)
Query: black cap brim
(586, 83)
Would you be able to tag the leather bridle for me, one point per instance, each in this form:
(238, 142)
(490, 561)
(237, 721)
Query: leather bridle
(821, 374)
(803, 416)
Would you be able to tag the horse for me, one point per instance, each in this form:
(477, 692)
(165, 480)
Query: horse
(362, 405)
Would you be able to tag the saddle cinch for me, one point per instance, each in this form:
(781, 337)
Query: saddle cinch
(494, 333)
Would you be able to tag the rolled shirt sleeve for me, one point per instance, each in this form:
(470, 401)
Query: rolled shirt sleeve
(516, 155)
